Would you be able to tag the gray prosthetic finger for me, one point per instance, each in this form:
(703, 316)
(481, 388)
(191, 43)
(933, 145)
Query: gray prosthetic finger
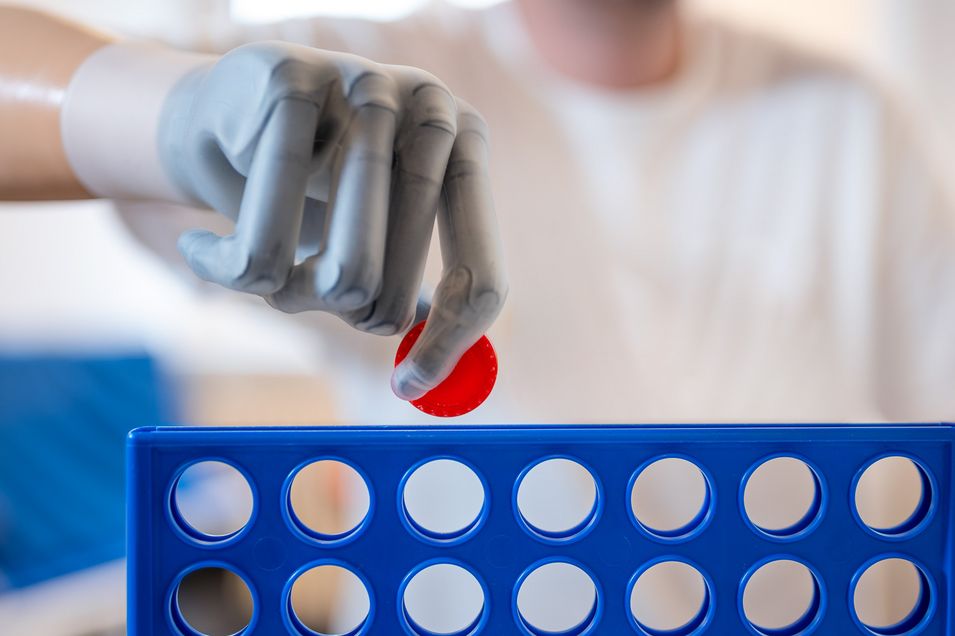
(298, 293)
(349, 269)
(422, 148)
(258, 257)
(473, 286)
(225, 196)
(313, 228)
(226, 199)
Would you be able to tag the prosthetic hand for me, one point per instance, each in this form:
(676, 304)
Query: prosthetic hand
(333, 168)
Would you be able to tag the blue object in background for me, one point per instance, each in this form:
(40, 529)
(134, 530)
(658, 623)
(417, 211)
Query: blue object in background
(63, 424)
(500, 549)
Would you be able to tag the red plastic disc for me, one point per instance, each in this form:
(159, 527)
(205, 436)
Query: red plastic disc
(468, 385)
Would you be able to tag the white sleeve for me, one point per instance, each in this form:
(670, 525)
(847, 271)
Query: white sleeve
(914, 321)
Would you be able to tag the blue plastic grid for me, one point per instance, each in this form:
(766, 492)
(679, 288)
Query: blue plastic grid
(500, 549)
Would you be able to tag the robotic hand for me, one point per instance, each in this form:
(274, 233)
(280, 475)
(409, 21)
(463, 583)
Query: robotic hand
(333, 168)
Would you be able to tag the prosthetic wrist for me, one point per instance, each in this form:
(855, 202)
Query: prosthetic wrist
(112, 116)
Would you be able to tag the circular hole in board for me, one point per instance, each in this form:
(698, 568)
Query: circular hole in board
(557, 598)
(893, 496)
(443, 598)
(443, 499)
(212, 601)
(782, 598)
(329, 499)
(670, 598)
(891, 597)
(212, 501)
(782, 497)
(329, 600)
(670, 498)
(557, 499)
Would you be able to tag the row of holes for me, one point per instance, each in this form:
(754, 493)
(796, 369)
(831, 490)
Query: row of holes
(779, 597)
(444, 501)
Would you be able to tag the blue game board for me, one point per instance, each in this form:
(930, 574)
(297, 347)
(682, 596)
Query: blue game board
(501, 548)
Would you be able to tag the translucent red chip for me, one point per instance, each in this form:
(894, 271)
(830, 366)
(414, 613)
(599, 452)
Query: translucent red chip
(468, 385)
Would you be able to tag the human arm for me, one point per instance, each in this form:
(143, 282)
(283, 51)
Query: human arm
(33, 81)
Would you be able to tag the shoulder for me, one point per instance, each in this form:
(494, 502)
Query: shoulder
(811, 100)
(761, 68)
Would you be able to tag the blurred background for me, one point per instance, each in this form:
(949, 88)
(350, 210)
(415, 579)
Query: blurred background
(171, 352)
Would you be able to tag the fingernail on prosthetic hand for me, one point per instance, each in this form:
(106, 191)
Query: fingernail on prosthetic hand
(333, 168)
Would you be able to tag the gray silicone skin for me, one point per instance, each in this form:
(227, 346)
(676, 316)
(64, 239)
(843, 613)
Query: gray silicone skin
(334, 169)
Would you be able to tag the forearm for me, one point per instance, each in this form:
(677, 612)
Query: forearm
(38, 56)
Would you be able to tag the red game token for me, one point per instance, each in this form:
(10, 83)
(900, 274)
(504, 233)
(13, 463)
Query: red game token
(468, 385)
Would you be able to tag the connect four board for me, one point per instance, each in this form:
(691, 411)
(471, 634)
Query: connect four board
(837, 538)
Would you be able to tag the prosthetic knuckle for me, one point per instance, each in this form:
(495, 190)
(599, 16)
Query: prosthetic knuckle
(471, 125)
(385, 320)
(272, 71)
(410, 77)
(472, 299)
(293, 303)
(488, 297)
(374, 89)
(261, 274)
(459, 167)
(348, 286)
(286, 304)
(468, 159)
(403, 320)
(260, 60)
(470, 120)
(433, 106)
(297, 294)
(364, 153)
(453, 296)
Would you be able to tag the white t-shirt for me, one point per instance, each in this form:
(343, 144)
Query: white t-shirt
(757, 240)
